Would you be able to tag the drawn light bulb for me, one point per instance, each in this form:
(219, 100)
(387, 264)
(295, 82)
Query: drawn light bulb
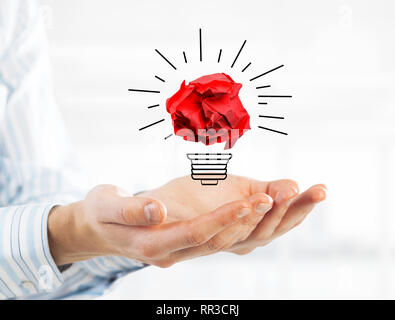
(209, 168)
(209, 110)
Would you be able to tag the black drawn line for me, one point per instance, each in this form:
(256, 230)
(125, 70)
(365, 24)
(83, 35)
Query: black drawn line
(261, 75)
(143, 90)
(165, 59)
(245, 68)
(159, 78)
(273, 96)
(200, 43)
(284, 133)
(152, 124)
(262, 87)
(234, 61)
(271, 117)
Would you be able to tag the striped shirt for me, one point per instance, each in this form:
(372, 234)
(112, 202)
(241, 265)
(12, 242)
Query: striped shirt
(37, 170)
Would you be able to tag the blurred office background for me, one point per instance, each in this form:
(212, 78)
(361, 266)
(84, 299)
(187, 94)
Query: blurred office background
(340, 69)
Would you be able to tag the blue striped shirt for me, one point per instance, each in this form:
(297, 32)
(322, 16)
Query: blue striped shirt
(37, 170)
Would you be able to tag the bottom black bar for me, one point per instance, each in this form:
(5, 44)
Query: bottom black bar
(199, 309)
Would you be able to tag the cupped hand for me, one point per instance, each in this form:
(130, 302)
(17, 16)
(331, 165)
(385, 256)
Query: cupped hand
(111, 222)
(289, 210)
(186, 198)
(178, 221)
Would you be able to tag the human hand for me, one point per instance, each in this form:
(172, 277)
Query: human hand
(186, 198)
(289, 210)
(110, 222)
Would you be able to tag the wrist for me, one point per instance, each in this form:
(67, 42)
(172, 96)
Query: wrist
(65, 236)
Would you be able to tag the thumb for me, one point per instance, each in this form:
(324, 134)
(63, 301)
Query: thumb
(140, 211)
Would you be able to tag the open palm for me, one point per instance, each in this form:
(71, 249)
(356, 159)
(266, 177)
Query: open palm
(186, 198)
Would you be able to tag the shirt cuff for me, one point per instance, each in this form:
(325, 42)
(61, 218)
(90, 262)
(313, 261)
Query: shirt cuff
(26, 264)
(111, 266)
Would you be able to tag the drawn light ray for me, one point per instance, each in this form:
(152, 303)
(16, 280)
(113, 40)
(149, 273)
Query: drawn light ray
(144, 90)
(267, 72)
(219, 55)
(200, 44)
(272, 130)
(263, 87)
(273, 96)
(271, 117)
(166, 59)
(152, 124)
(218, 61)
(159, 78)
(234, 61)
(245, 68)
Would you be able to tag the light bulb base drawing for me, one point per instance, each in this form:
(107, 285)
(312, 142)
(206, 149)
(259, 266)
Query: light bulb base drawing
(209, 168)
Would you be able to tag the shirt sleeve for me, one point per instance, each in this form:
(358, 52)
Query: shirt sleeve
(38, 168)
(26, 264)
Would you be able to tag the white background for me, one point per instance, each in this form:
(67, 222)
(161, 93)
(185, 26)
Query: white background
(340, 69)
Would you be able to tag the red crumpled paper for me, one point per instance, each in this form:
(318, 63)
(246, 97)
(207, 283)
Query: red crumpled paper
(209, 110)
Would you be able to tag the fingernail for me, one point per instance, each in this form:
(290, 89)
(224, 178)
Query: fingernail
(262, 207)
(152, 213)
(323, 195)
(243, 212)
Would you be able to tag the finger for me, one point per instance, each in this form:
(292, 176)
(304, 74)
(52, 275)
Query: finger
(185, 234)
(242, 251)
(138, 211)
(272, 219)
(215, 244)
(300, 208)
(260, 202)
(273, 187)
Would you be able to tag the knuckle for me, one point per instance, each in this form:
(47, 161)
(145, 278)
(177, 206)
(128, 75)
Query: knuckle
(235, 217)
(196, 238)
(224, 221)
(215, 244)
(232, 215)
(123, 214)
